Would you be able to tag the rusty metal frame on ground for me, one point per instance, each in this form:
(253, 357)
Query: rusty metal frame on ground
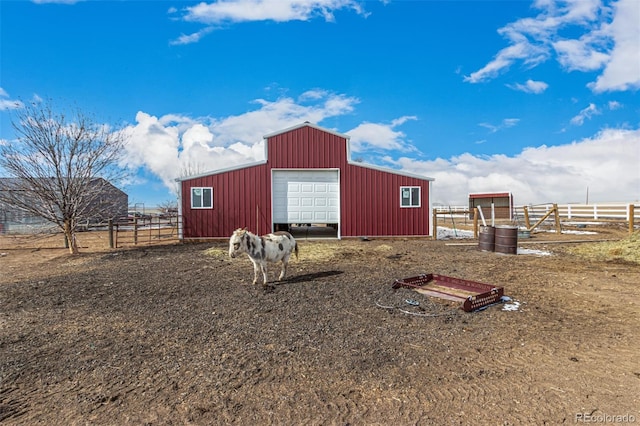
(473, 295)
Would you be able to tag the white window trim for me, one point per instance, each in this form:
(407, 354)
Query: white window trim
(410, 188)
(202, 199)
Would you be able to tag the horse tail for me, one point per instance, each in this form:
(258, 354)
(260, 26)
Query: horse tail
(295, 249)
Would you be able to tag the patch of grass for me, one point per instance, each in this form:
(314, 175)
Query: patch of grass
(317, 250)
(216, 252)
(321, 250)
(627, 249)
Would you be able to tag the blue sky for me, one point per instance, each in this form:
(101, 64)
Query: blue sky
(539, 98)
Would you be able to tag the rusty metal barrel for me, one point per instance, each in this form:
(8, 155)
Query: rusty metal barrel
(486, 238)
(506, 239)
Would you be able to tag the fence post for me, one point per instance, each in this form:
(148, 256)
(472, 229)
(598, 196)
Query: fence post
(110, 233)
(135, 231)
(435, 224)
(475, 222)
(632, 214)
(526, 217)
(557, 219)
(493, 215)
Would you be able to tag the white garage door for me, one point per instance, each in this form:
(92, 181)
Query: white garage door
(306, 196)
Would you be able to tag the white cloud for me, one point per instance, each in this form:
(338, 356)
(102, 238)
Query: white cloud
(622, 71)
(510, 122)
(236, 11)
(579, 55)
(191, 38)
(606, 37)
(376, 136)
(530, 86)
(8, 104)
(522, 50)
(505, 124)
(280, 114)
(586, 113)
(614, 105)
(266, 10)
(607, 164)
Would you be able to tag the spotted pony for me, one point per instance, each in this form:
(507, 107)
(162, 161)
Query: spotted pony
(270, 248)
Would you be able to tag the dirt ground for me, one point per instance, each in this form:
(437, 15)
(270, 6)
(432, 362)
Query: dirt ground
(176, 334)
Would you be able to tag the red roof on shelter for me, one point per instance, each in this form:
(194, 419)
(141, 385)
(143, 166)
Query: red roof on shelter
(490, 195)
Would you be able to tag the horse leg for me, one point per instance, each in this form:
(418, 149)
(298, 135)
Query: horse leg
(255, 272)
(265, 281)
(283, 272)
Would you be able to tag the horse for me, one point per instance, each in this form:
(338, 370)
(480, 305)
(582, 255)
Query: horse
(275, 247)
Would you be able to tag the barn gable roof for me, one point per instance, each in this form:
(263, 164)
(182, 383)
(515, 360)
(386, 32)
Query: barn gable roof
(307, 124)
(299, 126)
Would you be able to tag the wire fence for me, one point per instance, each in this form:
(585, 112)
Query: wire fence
(109, 235)
(154, 230)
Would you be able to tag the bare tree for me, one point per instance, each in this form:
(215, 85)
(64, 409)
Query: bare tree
(61, 167)
(169, 207)
(191, 168)
(188, 169)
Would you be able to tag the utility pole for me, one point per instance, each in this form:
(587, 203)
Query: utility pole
(587, 202)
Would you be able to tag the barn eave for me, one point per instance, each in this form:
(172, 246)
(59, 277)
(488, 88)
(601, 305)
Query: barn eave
(390, 170)
(219, 171)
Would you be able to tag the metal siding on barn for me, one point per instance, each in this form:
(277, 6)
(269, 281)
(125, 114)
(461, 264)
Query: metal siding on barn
(370, 204)
(241, 198)
(306, 148)
(369, 198)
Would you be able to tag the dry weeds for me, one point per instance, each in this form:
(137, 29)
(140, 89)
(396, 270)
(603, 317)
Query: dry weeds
(626, 250)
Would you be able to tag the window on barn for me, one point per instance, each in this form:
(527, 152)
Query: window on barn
(201, 198)
(409, 196)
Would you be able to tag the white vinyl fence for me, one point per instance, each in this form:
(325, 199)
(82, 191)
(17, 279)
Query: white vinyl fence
(622, 212)
(610, 211)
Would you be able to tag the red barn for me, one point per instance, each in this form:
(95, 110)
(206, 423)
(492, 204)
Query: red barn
(308, 177)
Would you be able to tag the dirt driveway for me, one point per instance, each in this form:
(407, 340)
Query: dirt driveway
(178, 335)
